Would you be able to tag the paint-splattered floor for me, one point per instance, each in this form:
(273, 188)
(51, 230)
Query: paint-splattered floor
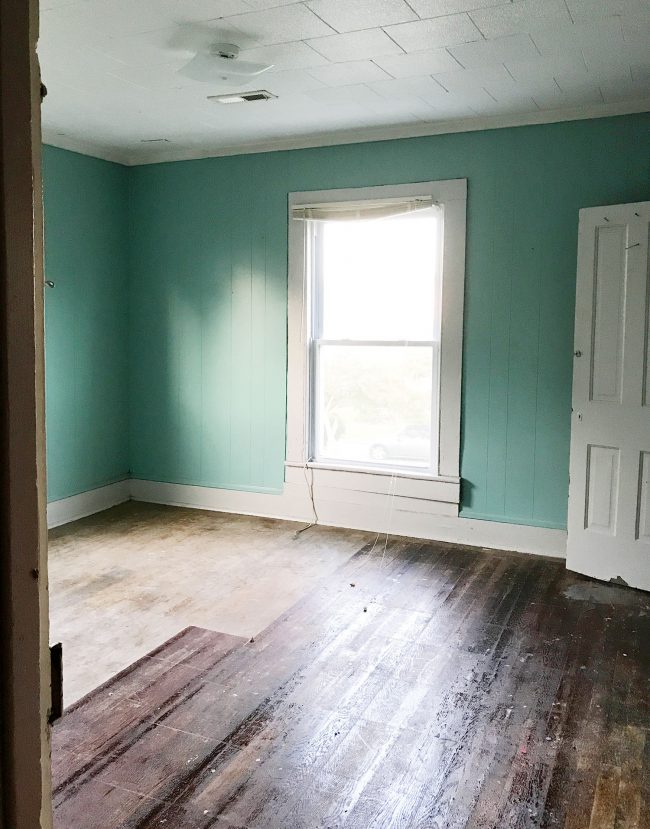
(426, 687)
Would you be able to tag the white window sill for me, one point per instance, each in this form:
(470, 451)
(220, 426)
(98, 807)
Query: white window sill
(359, 478)
(399, 472)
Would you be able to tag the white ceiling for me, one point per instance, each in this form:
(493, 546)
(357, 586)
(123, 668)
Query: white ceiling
(344, 70)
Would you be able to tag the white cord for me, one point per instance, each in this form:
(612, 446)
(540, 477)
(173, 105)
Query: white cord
(391, 499)
(305, 449)
(310, 489)
(393, 487)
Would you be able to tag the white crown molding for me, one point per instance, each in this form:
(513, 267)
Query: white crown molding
(358, 136)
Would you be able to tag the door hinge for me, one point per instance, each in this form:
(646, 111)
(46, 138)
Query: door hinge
(56, 674)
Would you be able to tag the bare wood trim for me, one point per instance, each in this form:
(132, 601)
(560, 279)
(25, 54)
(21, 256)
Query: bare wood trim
(26, 801)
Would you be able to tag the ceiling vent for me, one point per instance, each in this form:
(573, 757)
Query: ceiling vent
(242, 97)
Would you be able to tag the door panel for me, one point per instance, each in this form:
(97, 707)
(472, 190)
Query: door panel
(602, 489)
(609, 491)
(608, 314)
(643, 522)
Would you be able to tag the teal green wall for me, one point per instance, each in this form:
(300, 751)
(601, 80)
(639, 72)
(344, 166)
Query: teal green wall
(185, 265)
(86, 252)
(209, 292)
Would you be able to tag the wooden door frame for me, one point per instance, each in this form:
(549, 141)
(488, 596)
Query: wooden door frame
(25, 790)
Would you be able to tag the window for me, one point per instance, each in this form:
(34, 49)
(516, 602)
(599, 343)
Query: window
(375, 336)
(376, 288)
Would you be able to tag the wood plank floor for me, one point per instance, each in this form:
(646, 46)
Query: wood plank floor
(136, 574)
(423, 686)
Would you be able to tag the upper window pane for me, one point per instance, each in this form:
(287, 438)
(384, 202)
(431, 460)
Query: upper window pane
(379, 278)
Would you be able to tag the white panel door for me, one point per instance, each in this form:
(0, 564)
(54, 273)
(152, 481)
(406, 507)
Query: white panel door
(609, 490)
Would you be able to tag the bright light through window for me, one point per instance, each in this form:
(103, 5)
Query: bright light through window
(375, 340)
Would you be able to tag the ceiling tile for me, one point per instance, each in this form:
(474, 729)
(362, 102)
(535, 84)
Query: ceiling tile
(206, 9)
(639, 15)
(280, 25)
(425, 88)
(45, 5)
(439, 31)
(613, 64)
(73, 62)
(528, 71)
(67, 25)
(520, 16)
(472, 100)
(636, 32)
(558, 99)
(454, 107)
(418, 63)
(346, 16)
(353, 72)
(603, 34)
(117, 18)
(245, 117)
(312, 116)
(111, 65)
(426, 99)
(79, 19)
(356, 94)
(585, 11)
(501, 50)
(96, 87)
(372, 43)
(507, 89)
(438, 8)
(518, 102)
(149, 49)
(155, 77)
(288, 82)
(402, 111)
(297, 55)
(575, 82)
(624, 90)
(641, 74)
(261, 5)
(467, 80)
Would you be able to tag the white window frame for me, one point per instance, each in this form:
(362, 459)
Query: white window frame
(451, 195)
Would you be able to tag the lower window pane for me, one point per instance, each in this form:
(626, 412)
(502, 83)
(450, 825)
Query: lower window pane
(374, 405)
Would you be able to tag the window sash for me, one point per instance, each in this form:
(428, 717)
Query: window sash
(313, 253)
(315, 408)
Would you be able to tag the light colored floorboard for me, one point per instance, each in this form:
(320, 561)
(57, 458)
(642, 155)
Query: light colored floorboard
(127, 579)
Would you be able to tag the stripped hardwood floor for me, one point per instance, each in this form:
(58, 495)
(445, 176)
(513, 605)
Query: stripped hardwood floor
(424, 686)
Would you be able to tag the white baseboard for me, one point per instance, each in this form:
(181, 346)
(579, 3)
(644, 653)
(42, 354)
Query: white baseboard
(222, 500)
(87, 503)
(359, 511)
(373, 512)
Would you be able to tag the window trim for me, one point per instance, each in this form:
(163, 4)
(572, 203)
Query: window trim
(452, 196)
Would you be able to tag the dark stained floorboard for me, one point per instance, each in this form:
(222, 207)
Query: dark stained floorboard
(421, 686)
